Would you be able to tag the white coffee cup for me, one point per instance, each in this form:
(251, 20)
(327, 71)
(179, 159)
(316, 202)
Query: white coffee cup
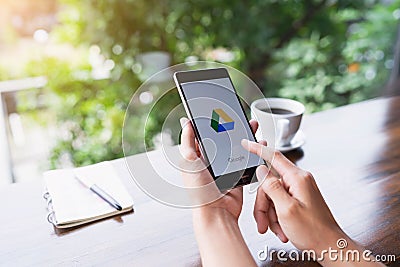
(278, 118)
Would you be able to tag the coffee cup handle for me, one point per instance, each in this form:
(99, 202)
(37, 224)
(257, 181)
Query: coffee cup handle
(283, 131)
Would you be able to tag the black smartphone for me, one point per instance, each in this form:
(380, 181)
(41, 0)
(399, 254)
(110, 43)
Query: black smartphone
(219, 123)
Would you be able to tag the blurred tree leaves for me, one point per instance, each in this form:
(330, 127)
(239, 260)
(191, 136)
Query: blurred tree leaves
(324, 53)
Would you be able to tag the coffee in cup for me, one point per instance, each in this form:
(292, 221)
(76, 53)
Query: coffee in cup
(279, 119)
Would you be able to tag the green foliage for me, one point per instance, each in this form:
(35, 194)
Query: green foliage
(326, 71)
(3, 74)
(89, 112)
(323, 53)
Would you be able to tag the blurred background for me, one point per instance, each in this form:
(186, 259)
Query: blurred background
(68, 68)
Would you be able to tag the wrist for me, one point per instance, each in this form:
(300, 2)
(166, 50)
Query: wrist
(219, 238)
(352, 255)
(343, 251)
(330, 240)
(204, 218)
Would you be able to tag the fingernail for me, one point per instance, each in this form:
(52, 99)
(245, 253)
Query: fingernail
(262, 171)
(263, 142)
(182, 121)
(245, 143)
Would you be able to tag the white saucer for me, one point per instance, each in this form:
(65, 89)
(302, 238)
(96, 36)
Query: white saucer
(298, 140)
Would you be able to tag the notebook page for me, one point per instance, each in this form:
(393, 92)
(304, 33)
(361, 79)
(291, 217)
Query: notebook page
(72, 201)
(103, 175)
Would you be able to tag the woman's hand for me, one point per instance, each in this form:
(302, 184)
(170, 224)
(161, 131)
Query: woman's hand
(196, 175)
(291, 204)
(302, 214)
(215, 219)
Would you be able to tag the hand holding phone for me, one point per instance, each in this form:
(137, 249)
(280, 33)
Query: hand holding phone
(197, 176)
(219, 124)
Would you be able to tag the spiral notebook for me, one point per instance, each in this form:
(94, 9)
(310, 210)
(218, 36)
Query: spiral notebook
(70, 203)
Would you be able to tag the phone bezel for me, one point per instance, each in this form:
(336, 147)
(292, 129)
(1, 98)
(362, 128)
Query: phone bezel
(224, 181)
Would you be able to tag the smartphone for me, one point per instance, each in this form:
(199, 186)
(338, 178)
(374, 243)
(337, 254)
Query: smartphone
(219, 123)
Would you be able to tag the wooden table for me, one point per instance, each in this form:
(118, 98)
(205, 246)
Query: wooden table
(353, 152)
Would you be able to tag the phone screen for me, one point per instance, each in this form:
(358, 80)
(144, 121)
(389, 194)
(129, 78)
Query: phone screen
(221, 124)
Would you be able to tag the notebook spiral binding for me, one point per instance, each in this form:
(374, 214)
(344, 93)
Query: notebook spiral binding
(50, 215)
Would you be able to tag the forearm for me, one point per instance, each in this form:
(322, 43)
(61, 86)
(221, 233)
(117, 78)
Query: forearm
(220, 240)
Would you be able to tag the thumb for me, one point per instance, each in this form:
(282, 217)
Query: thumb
(273, 187)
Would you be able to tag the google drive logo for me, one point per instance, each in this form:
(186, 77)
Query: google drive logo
(217, 115)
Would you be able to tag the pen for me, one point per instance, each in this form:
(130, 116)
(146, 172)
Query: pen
(106, 197)
(100, 192)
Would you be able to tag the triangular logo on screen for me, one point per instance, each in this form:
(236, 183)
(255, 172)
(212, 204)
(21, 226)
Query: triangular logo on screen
(218, 115)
